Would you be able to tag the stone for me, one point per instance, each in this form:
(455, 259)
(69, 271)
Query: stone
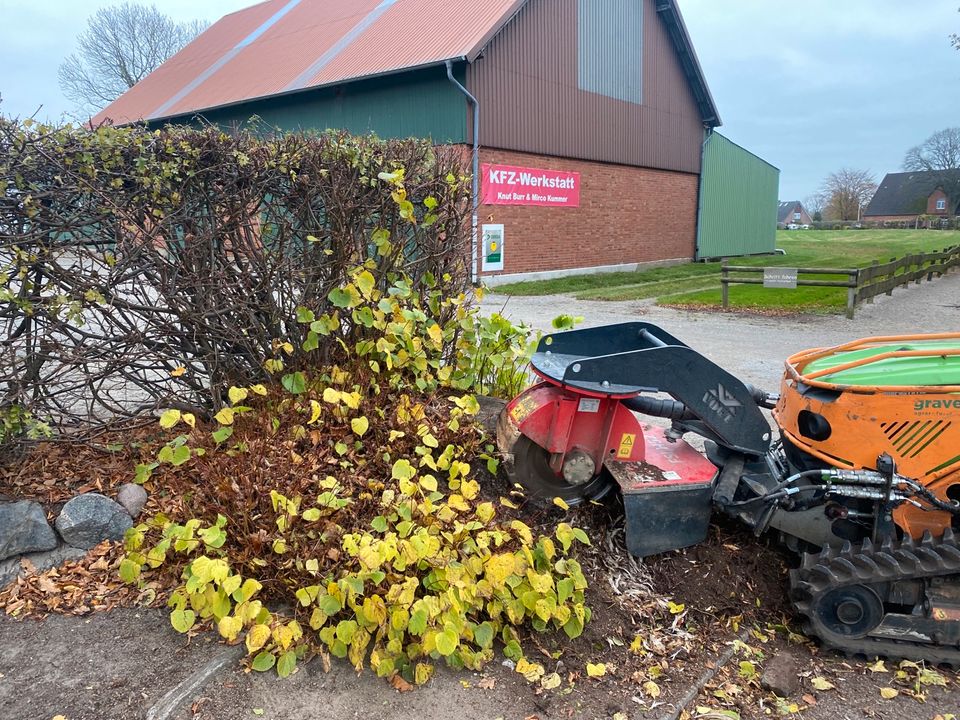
(13, 567)
(89, 519)
(781, 674)
(133, 498)
(24, 528)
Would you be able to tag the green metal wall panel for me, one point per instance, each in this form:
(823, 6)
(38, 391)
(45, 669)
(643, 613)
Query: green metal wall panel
(738, 201)
(422, 103)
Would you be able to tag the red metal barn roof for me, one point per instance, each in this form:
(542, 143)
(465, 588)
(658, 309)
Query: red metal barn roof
(282, 46)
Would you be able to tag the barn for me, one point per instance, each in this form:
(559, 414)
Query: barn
(587, 120)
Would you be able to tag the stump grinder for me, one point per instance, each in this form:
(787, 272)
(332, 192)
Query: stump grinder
(860, 477)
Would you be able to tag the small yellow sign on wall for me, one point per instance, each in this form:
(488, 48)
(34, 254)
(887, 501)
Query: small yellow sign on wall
(627, 441)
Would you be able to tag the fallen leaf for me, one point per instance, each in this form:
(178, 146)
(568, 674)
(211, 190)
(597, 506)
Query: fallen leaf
(596, 669)
(400, 685)
(820, 683)
(551, 681)
(487, 683)
(888, 693)
(651, 689)
(809, 699)
(258, 711)
(878, 667)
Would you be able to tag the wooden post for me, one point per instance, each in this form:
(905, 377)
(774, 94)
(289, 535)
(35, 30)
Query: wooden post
(872, 278)
(724, 285)
(893, 273)
(852, 293)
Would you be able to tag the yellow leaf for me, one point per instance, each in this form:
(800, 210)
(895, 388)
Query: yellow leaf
(359, 426)
(551, 681)
(258, 389)
(878, 667)
(676, 608)
(561, 503)
(237, 395)
(315, 410)
(597, 670)
(888, 693)
(169, 418)
(436, 334)
(428, 483)
(225, 416)
(820, 683)
(506, 503)
(229, 627)
(190, 419)
(331, 396)
(365, 282)
(651, 689)
(177, 372)
(531, 671)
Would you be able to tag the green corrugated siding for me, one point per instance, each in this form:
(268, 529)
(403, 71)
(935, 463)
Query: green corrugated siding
(738, 201)
(422, 104)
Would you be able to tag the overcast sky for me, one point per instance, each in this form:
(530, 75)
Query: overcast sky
(810, 87)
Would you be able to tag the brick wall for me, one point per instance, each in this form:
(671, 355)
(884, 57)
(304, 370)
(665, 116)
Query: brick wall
(936, 195)
(626, 215)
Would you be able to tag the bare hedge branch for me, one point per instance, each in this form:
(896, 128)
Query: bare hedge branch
(143, 269)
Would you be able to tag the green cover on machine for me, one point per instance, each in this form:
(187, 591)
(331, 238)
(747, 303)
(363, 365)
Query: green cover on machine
(924, 371)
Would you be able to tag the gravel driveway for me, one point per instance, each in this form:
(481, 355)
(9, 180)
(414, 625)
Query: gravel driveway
(753, 347)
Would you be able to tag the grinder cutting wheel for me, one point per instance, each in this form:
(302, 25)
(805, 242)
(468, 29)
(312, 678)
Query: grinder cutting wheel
(862, 477)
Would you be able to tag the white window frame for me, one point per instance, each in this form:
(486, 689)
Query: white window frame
(941, 204)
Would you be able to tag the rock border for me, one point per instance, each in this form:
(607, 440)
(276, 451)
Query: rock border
(83, 522)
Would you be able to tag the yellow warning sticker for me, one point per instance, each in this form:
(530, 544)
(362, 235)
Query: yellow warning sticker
(626, 445)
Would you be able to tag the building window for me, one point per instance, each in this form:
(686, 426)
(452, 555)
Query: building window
(796, 216)
(941, 204)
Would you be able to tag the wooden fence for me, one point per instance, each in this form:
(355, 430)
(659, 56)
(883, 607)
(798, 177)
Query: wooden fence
(862, 284)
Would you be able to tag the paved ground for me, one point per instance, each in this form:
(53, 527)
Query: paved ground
(132, 665)
(754, 347)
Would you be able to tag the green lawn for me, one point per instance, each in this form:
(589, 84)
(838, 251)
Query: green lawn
(698, 284)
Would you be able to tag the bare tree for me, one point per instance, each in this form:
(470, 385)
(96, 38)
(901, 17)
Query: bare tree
(120, 46)
(815, 205)
(940, 151)
(847, 192)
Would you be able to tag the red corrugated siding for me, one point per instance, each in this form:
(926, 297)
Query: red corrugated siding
(409, 33)
(168, 79)
(527, 85)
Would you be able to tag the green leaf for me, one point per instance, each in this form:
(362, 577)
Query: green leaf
(447, 641)
(181, 454)
(403, 470)
(341, 298)
(182, 620)
(263, 662)
(379, 523)
(129, 571)
(144, 471)
(483, 634)
(286, 663)
(311, 515)
(312, 342)
(305, 315)
(329, 604)
(295, 383)
(222, 435)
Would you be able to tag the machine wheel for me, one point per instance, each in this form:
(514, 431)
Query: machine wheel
(840, 595)
(531, 469)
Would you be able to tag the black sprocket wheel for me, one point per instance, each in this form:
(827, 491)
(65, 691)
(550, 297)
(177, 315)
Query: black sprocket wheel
(840, 594)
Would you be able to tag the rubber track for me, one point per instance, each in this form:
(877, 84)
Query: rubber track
(871, 564)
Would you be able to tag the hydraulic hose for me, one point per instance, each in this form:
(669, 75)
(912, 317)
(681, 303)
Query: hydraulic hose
(666, 408)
